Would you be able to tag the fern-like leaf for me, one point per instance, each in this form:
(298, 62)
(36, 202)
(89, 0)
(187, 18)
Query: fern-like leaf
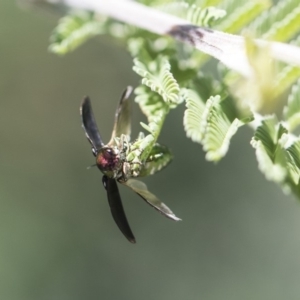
(156, 110)
(292, 110)
(265, 141)
(272, 171)
(218, 136)
(204, 17)
(276, 14)
(158, 77)
(159, 157)
(195, 14)
(285, 78)
(293, 160)
(274, 160)
(285, 29)
(219, 129)
(211, 124)
(73, 30)
(287, 74)
(230, 6)
(141, 149)
(266, 133)
(241, 14)
(150, 102)
(193, 115)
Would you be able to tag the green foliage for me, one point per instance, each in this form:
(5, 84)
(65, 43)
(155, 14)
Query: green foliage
(287, 74)
(73, 30)
(215, 109)
(277, 148)
(211, 124)
(285, 78)
(285, 29)
(193, 116)
(278, 153)
(269, 23)
(219, 131)
(159, 157)
(158, 94)
(292, 110)
(195, 14)
(240, 15)
(157, 76)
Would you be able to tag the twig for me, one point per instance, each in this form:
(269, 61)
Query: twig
(228, 48)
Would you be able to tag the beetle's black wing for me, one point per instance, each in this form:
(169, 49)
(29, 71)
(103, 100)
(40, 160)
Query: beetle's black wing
(89, 125)
(116, 207)
(122, 124)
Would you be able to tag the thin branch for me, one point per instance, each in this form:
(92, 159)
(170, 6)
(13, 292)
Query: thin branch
(228, 48)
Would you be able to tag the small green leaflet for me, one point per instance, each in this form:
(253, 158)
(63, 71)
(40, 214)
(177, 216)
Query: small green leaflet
(293, 160)
(292, 110)
(157, 76)
(270, 18)
(193, 13)
(193, 116)
(265, 141)
(286, 28)
(159, 157)
(285, 78)
(210, 124)
(240, 14)
(150, 102)
(278, 154)
(73, 30)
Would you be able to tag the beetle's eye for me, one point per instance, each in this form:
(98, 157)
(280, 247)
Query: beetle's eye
(109, 151)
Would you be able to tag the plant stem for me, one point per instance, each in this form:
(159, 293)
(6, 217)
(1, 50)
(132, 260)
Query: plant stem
(228, 48)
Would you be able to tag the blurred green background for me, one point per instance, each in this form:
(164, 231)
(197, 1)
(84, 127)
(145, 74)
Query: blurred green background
(239, 238)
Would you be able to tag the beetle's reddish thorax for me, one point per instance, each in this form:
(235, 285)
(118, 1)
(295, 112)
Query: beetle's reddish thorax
(108, 161)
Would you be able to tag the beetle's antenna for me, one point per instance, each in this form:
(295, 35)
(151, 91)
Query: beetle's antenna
(89, 167)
